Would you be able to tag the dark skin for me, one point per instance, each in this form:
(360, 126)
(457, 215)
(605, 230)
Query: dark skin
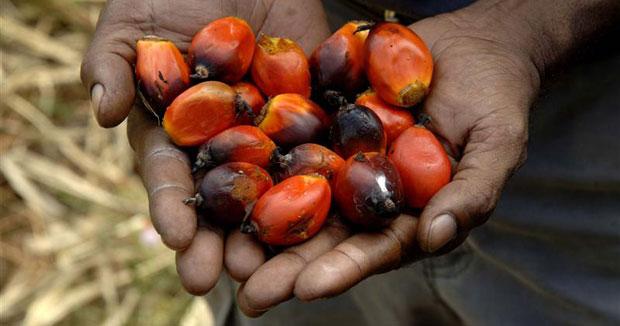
(488, 61)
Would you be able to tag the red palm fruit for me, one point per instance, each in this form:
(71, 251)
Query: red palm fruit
(222, 50)
(398, 64)
(394, 119)
(161, 72)
(291, 211)
(308, 159)
(201, 112)
(368, 190)
(280, 66)
(237, 144)
(228, 192)
(253, 97)
(422, 163)
(291, 119)
(338, 63)
(357, 129)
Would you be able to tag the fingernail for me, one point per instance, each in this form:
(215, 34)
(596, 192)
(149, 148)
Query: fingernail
(96, 93)
(443, 229)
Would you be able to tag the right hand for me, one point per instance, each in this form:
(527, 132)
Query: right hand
(107, 73)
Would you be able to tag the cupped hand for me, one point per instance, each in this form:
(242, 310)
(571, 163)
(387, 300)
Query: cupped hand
(108, 74)
(484, 84)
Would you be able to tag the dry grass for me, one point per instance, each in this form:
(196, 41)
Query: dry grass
(76, 244)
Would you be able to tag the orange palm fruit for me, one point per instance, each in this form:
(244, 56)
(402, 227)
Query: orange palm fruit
(292, 119)
(338, 63)
(237, 144)
(368, 190)
(291, 211)
(422, 163)
(228, 192)
(222, 50)
(253, 97)
(399, 65)
(161, 72)
(307, 159)
(280, 66)
(394, 119)
(201, 112)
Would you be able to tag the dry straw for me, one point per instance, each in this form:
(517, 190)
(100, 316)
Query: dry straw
(76, 243)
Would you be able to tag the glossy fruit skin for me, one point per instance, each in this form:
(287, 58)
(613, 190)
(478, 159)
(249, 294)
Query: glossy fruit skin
(357, 129)
(237, 144)
(201, 112)
(308, 159)
(338, 63)
(253, 97)
(292, 211)
(399, 65)
(161, 72)
(422, 163)
(395, 120)
(292, 119)
(368, 190)
(229, 191)
(280, 66)
(222, 50)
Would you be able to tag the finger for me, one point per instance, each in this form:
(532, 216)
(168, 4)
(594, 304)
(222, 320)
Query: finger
(165, 171)
(107, 70)
(493, 152)
(243, 255)
(357, 258)
(274, 281)
(200, 265)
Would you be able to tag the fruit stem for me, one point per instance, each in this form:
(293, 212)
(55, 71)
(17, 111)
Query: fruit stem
(364, 27)
(203, 159)
(197, 200)
(335, 99)
(423, 119)
(280, 160)
(202, 73)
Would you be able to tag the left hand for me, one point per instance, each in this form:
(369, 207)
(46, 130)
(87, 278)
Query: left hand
(482, 90)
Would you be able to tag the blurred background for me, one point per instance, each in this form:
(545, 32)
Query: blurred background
(76, 244)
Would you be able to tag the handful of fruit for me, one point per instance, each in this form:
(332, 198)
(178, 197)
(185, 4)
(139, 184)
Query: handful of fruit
(274, 168)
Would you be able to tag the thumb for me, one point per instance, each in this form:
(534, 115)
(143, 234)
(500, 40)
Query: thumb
(494, 150)
(107, 73)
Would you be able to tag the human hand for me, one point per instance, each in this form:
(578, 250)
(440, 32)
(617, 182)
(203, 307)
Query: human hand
(484, 84)
(107, 72)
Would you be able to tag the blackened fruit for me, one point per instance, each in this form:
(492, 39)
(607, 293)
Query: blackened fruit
(291, 119)
(395, 120)
(292, 211)
(308, 159)
(237, 144)
(161, 72)
(368, 190)
(357, 129)
(229, 191)
(338, 63)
